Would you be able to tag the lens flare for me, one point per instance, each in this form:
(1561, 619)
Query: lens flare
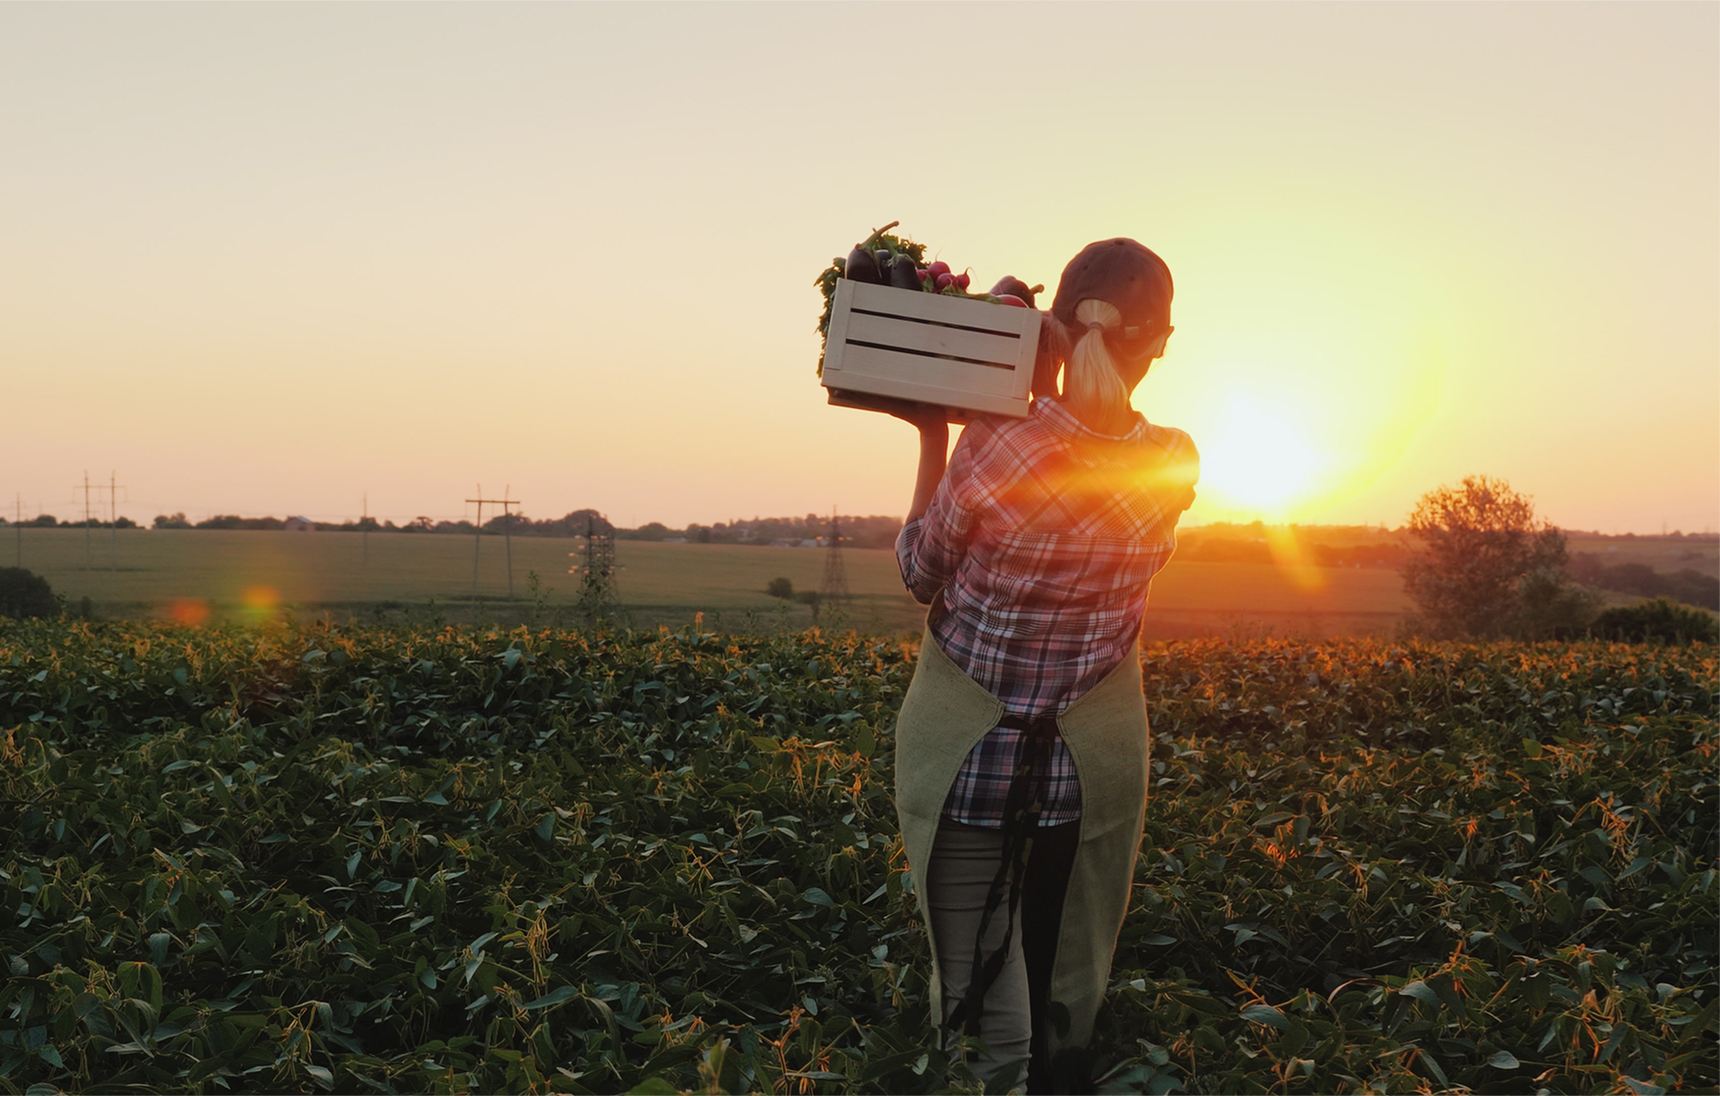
(191, 612)
(258, 603)
(1293, 558)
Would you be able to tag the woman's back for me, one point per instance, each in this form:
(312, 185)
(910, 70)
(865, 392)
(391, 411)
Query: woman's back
(1039, 547)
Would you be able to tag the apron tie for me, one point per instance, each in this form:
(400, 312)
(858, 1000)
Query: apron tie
(1022, 806)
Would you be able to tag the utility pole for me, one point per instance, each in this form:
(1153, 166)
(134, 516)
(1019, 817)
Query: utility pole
(478, 538)
(113, 519)
(508, 539)
(86, 519)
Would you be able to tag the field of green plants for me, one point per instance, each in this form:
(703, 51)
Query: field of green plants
(444, 860)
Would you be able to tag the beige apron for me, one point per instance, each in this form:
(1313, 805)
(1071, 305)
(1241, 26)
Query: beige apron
(944, 716)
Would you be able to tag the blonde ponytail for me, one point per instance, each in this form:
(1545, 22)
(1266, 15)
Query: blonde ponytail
(1092, 381)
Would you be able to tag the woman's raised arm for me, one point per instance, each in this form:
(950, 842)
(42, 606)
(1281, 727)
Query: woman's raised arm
(934, 453)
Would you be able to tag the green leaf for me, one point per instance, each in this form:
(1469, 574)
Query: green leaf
(1504, 1059)
(1421, 991)
(1265, 1014)
(553, 997)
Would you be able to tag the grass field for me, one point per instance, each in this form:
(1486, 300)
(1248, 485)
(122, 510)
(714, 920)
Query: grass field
(141, 574)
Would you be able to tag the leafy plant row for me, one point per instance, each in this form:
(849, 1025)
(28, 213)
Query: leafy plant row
(344, 859)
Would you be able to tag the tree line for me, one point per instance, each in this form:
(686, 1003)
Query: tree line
(871, 531)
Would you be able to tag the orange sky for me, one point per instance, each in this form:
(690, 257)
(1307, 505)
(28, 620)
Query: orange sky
(264, 259)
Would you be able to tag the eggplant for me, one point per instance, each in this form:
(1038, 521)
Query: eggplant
(904, 274)
(1011, 286)
(862, 267)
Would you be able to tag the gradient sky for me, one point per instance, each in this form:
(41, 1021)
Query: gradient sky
(267, 258)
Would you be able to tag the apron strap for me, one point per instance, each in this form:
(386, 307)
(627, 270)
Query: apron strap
(1023, 804)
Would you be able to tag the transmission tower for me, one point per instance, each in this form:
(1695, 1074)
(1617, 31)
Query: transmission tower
(835, 588)
(597, 596)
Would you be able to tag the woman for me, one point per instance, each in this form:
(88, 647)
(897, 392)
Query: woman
(1022, 743)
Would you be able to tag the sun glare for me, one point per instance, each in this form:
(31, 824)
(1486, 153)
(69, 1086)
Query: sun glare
(1258, 460)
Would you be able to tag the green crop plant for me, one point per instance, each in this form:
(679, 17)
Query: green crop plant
(436, 859)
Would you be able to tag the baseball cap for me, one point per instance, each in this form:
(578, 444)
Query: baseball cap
(1123, 273)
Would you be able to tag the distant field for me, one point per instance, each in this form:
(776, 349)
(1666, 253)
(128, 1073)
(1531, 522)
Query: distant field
(1661, 553)
(146, 573)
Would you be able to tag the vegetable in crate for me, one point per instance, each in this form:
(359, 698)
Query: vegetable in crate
(1012, 290)
(896, 261)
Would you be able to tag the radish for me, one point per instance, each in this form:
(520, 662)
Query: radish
(961, 280)
(945, 280)
(939, 267)
(1011, 299)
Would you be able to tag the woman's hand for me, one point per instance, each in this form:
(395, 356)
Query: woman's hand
(925, 416)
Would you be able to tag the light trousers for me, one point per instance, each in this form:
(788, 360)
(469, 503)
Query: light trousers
(963, 864)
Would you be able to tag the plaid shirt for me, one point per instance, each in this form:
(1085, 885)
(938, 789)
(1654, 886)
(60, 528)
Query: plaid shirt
(1036, 554)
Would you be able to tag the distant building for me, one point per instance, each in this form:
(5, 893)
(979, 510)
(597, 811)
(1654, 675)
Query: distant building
(299, 524)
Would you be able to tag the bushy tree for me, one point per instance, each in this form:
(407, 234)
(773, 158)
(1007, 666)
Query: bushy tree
(25, 594)
(1488, 567)
(1657, 621)
(1551, 606)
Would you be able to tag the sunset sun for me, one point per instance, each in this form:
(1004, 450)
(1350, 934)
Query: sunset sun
(1259, 459)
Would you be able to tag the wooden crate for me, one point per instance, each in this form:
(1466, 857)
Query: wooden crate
(966, 356)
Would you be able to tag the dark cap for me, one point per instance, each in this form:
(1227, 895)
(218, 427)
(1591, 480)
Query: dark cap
(1122, 273)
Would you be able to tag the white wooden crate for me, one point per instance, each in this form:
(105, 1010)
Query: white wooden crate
(960, 354)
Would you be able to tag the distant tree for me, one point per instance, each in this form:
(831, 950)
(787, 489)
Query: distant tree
(24, 594)
(420, 524)
(46, 520)
(1481, 541)
(1551, 606)
(651, 530)
(780, 587)
(172, 521)
(1657, 621)
(813, 600)
(578, 523)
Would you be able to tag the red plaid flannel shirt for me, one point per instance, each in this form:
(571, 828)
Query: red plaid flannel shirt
(1038, 549)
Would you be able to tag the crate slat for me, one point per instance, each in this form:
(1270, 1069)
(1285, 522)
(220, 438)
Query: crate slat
(968, 355)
